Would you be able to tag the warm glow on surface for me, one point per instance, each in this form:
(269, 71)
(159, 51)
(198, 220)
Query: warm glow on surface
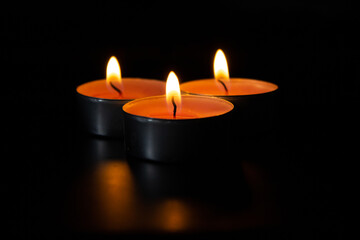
(173, 94)
(113, 75)
(221, 71)
(108, 192)
(174, 215)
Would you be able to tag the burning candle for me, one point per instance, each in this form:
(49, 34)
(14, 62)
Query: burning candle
(253, 99)
(222, 85)
(175, 127)
(100, 101)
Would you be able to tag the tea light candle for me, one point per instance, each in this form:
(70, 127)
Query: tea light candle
(253, 99)
(175, 127)
(100, 101)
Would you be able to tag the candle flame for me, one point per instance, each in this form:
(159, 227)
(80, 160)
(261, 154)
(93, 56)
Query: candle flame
(113, 76)
(173, 95)
(221, 70)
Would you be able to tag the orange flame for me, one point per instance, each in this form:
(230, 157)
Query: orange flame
(173, 95)
(113, 76)
(221, 70)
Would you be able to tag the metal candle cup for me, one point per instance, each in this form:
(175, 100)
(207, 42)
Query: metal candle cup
(254, 101)
(100, 111)
(199, 131)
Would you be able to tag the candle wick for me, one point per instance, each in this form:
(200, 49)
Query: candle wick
(223, 84)
(175, 107)
(116, 89)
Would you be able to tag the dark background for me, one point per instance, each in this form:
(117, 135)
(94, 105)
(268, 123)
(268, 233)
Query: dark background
(308, 49)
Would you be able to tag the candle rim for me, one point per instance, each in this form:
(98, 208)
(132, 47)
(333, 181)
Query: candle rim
(276, 87)
(114, 99)
(177, 119)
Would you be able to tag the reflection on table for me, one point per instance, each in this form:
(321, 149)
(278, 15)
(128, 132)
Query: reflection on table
(118, 195)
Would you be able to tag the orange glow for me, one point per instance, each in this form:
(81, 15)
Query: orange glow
(173, 94)
(174, 215)
(113, 76)
(221, 70)
(108, 192)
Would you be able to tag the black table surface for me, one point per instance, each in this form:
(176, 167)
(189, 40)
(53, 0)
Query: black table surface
(64, 183)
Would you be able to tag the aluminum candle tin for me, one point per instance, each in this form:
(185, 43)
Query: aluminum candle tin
(101, 116)
(104, 116)
(178, 140)
(253, 113)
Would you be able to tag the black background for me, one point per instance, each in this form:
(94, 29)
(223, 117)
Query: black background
(308, 49)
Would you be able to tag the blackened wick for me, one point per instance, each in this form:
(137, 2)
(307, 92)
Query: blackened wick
(115, 88)
(223, 84)
(174, 105)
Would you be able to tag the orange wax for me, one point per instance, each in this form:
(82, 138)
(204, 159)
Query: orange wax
(192, 107)
(132, 88)
(236, 86)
